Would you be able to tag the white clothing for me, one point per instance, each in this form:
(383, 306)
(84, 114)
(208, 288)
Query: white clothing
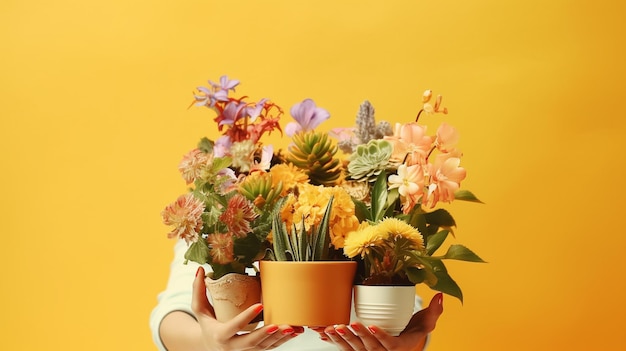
(177, 297)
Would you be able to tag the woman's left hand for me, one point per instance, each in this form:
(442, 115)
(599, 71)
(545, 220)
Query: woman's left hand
(360, 338)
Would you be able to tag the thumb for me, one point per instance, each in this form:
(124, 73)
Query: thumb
(434, 310)
(199, 302)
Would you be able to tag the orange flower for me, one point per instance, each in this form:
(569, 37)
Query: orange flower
(310, 204)
(186, 215)
(192, 165)
(237, 216)
(221, 248)
(411, 142)
(289, 175)
(445, 178)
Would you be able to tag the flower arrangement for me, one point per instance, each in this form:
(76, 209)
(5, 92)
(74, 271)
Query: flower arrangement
(369, 193)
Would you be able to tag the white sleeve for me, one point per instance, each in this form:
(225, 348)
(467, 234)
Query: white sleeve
(177, 294)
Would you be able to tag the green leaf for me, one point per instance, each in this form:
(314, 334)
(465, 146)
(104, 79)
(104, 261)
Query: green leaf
(444, 282)
(440, 218)
(361, 211)
(322, 239)
(462, 253)
(417, 220)
(379, 197)
(416, 275)
(280, 236)
(435, 241)
(198, 252)
(247, 248)
(466, 195)
(220, 163)
(392, 197)
(206, 145)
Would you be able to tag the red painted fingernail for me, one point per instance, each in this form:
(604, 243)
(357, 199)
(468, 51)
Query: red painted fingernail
(440, 299)
(288, 331)
(372, 329)
(272, 329)
(258, 309)
(340, 331)
(198, 271)
(323, 338)
(355, 327)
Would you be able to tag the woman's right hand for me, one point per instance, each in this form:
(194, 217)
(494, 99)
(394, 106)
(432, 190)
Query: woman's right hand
(223, 336)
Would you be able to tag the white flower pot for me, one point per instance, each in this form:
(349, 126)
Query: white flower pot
(387, 307)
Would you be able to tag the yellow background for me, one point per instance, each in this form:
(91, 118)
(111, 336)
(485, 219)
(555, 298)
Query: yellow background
(93, 98)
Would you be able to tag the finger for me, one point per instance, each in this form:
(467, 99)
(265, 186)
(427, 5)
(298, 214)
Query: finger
(240, 321)
(336, 339)
(199, 302)
(351, 338)
(276, 336)
(369, 341)
(426, 319)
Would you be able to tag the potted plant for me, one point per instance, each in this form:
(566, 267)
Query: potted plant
(223, 227)
(401, 227)
(303, 283)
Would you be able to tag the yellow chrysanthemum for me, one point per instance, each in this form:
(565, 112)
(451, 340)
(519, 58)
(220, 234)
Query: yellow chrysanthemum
(361, 241)
(393, 227)
(289, 175)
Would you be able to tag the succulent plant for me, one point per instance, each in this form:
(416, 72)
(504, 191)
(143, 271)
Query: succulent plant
(315, 153)
(369, 160)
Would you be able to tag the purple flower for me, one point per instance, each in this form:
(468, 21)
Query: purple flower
(307, 115)
(222, 145)
(232, 112)
(205, 98)
(255, 111)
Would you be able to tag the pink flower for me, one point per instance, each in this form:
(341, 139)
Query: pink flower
(445, 179)
(192, 164)
(238, 215)
(221, 248)
(411, 142)
(447, 137)
(185, 214)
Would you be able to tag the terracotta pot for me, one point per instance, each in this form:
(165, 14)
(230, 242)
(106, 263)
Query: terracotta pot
(307, 293)
(388, 307)
(233, 293)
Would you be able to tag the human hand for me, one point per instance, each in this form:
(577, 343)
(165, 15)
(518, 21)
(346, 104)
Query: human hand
(371, 338)
(223, 336)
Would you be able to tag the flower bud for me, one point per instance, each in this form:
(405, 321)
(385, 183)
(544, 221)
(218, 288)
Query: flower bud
(427, 95)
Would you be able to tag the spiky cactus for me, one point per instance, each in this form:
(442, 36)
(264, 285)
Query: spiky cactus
(315, 153)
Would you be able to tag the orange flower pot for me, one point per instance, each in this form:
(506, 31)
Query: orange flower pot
(311, 294)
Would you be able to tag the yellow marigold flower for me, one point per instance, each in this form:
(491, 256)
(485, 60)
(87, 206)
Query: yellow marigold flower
(289, 175)
(393, 227)
(310, 203)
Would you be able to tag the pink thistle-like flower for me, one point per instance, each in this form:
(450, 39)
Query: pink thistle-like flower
(192, 164)
(447, 137)
(411, 142)
(445, 179)
(185, 214)
(238, 215)
(221, 248)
